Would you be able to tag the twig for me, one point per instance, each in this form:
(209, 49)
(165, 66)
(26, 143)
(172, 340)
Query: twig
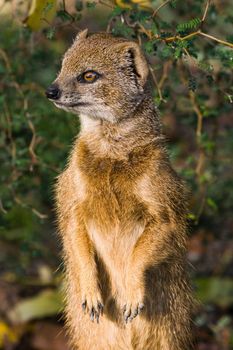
(198, 113)
(109, 26)
(156, 83)
(205, 11)
(194, 102)
(32, 145)
(200, 163)
(145, 31)
(2, 207)
(198, 32)
(106, 4)
(30, 124)
(177, 37)
(159, 8)
(202, 202)
(9, 132)
(39, 214)
(164, 76)
(216, 39)
(6, 60)
(25, 205)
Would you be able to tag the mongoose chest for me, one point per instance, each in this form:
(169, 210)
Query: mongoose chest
(111, 187)
(114, 215)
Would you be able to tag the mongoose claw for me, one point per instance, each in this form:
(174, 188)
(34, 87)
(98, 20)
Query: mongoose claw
(84, 305)
(100, 308)
(92, 314)
(94, 311)
(126, 313)
(140, 307)
(130, 312)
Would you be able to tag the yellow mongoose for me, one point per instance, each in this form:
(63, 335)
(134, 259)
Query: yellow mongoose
(121, 207)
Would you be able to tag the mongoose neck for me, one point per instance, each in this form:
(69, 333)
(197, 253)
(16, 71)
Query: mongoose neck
(118, 139)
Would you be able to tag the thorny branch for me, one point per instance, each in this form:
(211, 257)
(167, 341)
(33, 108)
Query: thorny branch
(30, 124)
(159, 84)
(31, 147)
(200, 165)
(139, 26)
(201, 160)
(199, 32)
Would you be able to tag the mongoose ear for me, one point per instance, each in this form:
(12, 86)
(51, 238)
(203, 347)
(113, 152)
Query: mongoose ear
(81, 35)
(132, 54)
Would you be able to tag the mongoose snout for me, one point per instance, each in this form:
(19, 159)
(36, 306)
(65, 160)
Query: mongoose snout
(53, 92)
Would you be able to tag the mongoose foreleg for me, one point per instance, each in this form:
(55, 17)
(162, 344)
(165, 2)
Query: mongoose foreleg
(82, 251)
(151, 249)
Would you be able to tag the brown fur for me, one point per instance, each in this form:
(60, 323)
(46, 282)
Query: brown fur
(121, 208)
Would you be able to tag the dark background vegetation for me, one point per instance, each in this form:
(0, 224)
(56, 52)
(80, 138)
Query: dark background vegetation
(190, 51)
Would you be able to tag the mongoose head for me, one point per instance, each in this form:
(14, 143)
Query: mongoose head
(102, 77)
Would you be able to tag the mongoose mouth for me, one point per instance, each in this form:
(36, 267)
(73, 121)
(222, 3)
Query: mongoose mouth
(70, 105)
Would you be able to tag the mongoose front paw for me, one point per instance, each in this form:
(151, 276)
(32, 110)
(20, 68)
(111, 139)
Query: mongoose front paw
(134, 301)
(131, 310)
(93, 306)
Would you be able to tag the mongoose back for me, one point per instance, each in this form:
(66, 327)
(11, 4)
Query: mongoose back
(121, 207)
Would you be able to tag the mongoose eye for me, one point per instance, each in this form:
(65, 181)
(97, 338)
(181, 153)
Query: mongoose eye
(88, 77)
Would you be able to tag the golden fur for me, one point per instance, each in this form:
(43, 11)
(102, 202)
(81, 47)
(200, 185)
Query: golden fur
(121, 208)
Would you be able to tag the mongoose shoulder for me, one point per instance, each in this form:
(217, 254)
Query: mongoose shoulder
(121, 206)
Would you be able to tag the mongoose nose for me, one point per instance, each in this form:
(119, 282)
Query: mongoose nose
(53, 92)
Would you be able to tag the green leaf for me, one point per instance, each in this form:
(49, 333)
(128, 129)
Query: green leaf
(215, 290)
(223, 322)
(120, 29)
(154, 28)
(173, 3)
(48, 7)
(166, 52)
(192, 24)
(139, 16)
(46, 303)
(50, 33)
(192, 83)
(79, 5)
(225, 55)
(191, 216)
(211, 203)
(205, 66)
(117, 11)
(90, 4)
(63, 15)
(148, 47)
(78, 17)
(178, 53)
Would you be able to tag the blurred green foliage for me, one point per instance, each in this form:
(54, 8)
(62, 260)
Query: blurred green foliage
(34, 140)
